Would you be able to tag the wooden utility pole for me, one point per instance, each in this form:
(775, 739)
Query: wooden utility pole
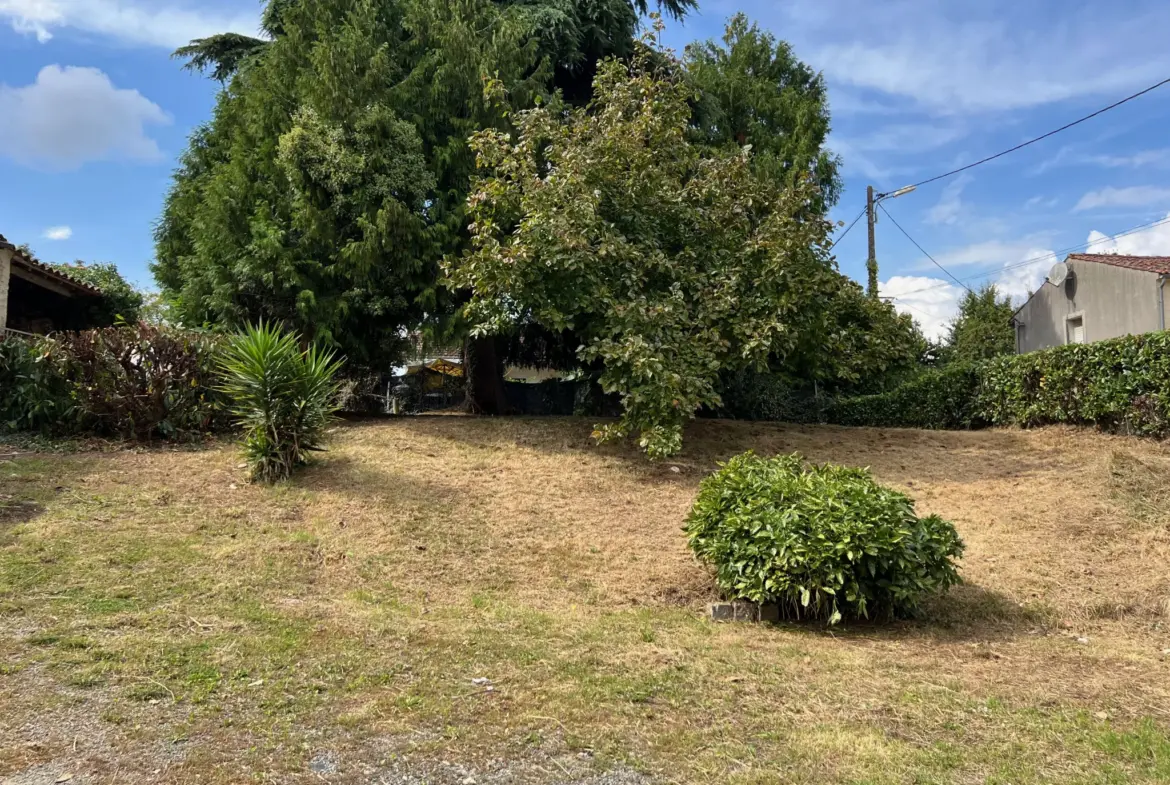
(871, 263)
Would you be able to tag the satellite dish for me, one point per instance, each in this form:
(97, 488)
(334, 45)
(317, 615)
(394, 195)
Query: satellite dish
(1058, 274)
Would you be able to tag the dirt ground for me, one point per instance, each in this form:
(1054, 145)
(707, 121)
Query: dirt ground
(450, 599)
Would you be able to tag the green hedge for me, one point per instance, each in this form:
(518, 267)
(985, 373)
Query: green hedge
(1121, 384)
(142, 382)
(937, 399)
(754, 395)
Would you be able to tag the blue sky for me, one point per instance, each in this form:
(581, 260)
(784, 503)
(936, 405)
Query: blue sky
(93, 114)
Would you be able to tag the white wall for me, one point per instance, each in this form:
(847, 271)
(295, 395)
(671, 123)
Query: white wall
(1113, 301)
(5, 274)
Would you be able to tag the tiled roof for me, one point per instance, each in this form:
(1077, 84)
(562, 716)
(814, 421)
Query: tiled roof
(44, 269)
(1149, 264)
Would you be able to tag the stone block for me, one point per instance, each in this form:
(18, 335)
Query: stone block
(742, 610)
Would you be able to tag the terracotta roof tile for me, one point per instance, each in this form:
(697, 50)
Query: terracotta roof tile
(44, 269)
(1149, 264)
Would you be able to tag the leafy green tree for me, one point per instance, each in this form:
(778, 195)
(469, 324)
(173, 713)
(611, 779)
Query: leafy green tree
(671, 262)
(120, 301)
(983, 328)
(335, 172)
(754, 91)
(866, 346)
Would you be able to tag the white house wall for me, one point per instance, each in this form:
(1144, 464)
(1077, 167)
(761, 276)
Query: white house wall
(5, 272)
(1113, 301)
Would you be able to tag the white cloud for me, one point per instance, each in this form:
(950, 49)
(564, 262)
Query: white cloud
(934, 302)
(164, 24)
(904, 139)
(73, 115)
(950, 204)
(960, 58)
(1042, 202)
(1143, 159)
(58, 233)
(1019, 282)
(1154, 241)
(1137, 196)
(856, 160)
(985, 254)
(1070, 156)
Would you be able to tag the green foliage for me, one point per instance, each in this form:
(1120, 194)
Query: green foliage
(935, 399)
(670, 262)
(823, 542)
(335, 172)
(983, 329)
(284, 397)
(752, 90)
(749, 394)
(862, 346)
(143, 382)
(303, 200)
(222, 54)
(34, 388)
(120, 301)
(1121, 384)
(134, 382)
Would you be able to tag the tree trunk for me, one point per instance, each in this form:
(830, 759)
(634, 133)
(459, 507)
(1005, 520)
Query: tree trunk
(484, 371)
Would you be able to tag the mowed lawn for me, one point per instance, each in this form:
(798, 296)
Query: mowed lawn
(161, 620)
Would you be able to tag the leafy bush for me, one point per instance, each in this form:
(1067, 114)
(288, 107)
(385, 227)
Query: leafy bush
(120, 301)
(942, 399)
(1121, 384)
(143, 381)
(34, 390)
(823, 542)
(283, 396)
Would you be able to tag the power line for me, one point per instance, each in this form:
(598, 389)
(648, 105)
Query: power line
(854, 223)
(1045, 257)
(908, 305)
(1045, 136)
(920, 248)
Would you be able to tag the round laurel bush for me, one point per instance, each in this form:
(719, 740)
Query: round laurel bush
(821, 541)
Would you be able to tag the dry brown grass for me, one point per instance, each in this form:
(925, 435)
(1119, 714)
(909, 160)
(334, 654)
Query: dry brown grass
(350, 610)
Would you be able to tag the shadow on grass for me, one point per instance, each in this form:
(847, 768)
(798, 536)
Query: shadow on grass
(966, 614)
(930, 456)
(362, 481)
(14, 511)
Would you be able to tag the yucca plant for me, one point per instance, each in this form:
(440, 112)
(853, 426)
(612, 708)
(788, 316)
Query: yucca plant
(284, 397)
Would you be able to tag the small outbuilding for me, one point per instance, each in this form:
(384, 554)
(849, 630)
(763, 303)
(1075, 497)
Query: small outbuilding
(35, 298)
(1092, 297)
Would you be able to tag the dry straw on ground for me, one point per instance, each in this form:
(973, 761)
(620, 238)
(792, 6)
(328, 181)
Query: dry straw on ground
(148, 596)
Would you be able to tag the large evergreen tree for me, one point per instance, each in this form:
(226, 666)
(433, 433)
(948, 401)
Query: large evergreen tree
(334, 173)
(753, 90)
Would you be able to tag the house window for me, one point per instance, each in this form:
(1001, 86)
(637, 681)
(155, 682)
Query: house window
(1076, 329)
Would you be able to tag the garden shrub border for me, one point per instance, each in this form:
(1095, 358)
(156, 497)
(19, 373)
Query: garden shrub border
(140, 382)
(1120, 385)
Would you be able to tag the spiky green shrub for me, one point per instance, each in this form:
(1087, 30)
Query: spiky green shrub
(284, 397)
(822, 542)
